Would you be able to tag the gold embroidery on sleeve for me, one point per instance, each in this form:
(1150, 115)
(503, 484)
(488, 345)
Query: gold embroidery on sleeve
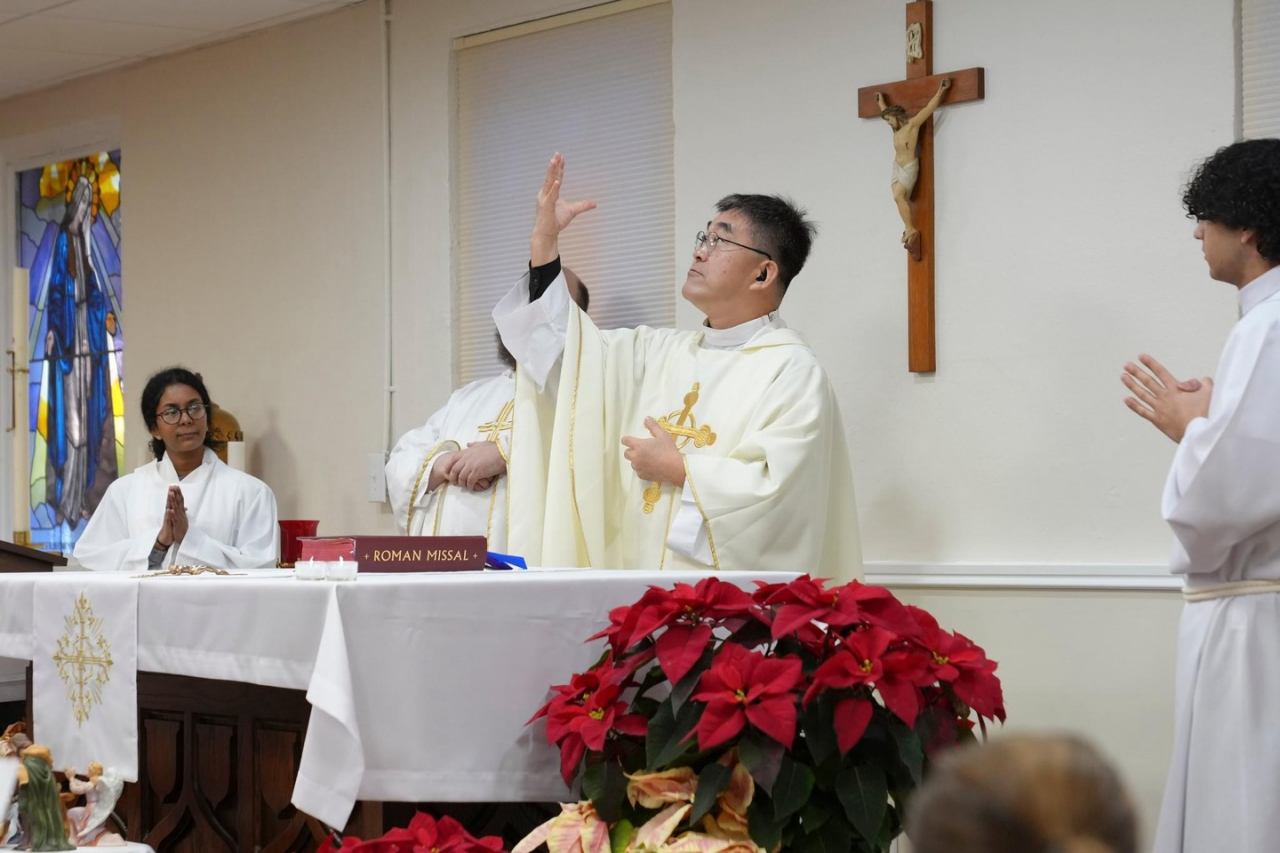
(711, 540)
(417, 484)
(573, 422)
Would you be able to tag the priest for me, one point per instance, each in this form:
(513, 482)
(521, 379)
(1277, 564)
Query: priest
(447, 477)
(1222, 502)
(721, 448)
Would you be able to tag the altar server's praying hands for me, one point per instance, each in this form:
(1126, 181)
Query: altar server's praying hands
(1164, 401)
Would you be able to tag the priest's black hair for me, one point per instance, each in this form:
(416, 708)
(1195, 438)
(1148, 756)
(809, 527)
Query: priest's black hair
(155, 389)
(780, 227)
(1239, 187)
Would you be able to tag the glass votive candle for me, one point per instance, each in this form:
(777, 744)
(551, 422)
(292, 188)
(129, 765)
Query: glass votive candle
(309, 570)
(342, 570)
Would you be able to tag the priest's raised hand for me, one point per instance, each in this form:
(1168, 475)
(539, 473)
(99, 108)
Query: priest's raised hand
(553, 215)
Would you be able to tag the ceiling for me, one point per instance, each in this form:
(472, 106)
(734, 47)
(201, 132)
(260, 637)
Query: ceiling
(44, 42)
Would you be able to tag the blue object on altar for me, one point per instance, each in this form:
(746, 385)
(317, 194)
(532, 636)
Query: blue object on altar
(494, 560)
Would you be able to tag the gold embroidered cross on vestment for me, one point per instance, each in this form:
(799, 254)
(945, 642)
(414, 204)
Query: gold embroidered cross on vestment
(683, 427)
(502, 423)
(83, 659)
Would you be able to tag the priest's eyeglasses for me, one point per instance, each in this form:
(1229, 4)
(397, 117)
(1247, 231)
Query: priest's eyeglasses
(711, 241)
(171, 415)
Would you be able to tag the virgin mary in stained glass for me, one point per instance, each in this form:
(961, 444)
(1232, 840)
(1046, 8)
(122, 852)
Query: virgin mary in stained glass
(75, 343)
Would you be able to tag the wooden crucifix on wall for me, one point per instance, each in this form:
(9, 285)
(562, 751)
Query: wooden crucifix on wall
(908, 106)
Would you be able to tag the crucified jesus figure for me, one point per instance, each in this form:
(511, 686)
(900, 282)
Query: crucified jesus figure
(906, 164)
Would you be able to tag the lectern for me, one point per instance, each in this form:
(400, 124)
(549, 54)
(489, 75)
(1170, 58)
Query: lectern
(16, 558)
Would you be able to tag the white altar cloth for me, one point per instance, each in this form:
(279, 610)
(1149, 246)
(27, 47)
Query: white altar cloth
(420, 685)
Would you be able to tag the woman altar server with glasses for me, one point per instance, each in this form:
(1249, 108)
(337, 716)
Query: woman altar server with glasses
(187, 507)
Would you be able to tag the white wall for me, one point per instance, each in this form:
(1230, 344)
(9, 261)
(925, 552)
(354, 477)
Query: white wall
(252, 185)
(1062, 252)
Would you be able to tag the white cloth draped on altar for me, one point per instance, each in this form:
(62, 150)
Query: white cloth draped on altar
(84, 680)
(420, 684)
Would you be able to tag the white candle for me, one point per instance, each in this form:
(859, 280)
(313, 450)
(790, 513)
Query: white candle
(343, 570)
(309, 570)
(235, 454)
(21, 452)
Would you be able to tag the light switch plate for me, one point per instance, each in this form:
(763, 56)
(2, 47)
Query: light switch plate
(377, 477)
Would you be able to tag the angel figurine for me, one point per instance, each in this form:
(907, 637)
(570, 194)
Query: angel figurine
(88, 823)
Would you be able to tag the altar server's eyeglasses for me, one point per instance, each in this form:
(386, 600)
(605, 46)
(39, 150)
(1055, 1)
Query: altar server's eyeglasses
(173, 414)
(711, 241)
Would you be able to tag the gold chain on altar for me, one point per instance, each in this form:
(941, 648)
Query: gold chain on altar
(177, 571)
(683, 427)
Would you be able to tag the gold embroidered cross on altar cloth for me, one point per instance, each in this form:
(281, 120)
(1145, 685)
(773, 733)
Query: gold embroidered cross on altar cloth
(83, 659)
(84, 668)
(683, 427)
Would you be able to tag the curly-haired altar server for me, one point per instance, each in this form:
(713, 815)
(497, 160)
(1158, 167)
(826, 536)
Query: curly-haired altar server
(1222, 499)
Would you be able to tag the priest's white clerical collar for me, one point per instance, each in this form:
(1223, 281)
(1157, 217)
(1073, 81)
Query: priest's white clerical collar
(737, 337)
(1259, 290)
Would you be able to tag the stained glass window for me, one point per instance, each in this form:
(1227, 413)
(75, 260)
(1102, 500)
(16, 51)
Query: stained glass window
(69, 240)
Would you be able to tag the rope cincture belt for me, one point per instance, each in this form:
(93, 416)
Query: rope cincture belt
(1234, 589)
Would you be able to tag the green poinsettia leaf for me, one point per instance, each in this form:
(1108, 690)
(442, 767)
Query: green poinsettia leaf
(620, 835)
(681, 692)
(864, 793)
(713, 779)
(606, 786)
(819, 726)
(763, 758)
(910, 750)
(752, 635)
(792, 788)
(665, 740)
(815, 813)
(645, 705)
(833, 836)
(765, 831)
(890, 828)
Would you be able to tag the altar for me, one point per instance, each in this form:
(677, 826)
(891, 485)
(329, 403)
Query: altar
(266, 703)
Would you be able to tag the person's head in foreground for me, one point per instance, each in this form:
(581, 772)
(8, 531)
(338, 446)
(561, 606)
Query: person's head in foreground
(1234, 196)
(1023, 794)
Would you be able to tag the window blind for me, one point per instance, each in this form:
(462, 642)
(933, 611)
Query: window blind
(598, 91)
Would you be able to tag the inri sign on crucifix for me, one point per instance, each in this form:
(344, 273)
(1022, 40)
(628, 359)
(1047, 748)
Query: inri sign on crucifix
(901, 104)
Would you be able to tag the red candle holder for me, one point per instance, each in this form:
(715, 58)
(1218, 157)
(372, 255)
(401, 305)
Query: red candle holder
(291, 533)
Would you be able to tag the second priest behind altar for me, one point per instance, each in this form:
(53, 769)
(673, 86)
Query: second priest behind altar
(449, 476)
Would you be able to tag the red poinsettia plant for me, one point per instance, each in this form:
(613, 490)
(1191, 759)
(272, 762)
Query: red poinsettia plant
(424, 834)
(723, 721)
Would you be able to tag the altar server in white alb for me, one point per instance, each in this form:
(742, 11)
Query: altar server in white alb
(1222, 499)
(448, 477)
(187, 507)
(657, 448)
